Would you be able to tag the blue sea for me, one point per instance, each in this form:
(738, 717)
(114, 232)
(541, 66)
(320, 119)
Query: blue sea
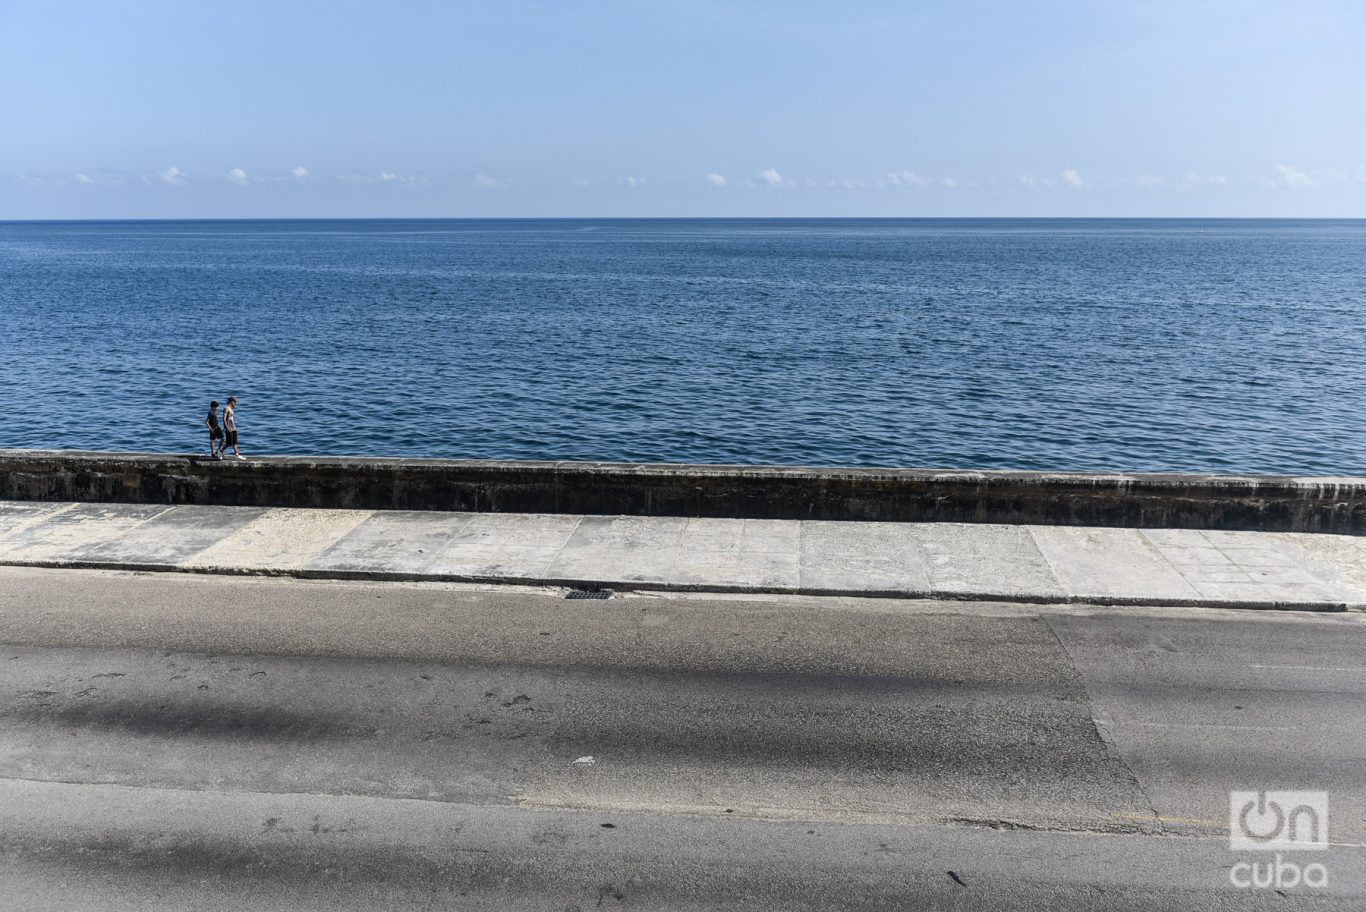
(1146, 345)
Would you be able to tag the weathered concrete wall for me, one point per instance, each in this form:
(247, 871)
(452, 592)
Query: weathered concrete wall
(1268, 503)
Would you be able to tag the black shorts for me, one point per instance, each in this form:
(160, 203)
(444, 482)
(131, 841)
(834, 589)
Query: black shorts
(215, 433)
(231, 439)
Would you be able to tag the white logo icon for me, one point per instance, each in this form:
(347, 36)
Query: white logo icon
(1277, 821)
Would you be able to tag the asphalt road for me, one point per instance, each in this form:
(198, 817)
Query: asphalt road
(175, 742)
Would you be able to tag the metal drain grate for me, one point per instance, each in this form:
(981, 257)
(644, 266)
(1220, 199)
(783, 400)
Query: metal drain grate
(589, 594)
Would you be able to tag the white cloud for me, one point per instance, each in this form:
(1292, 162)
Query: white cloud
(173, 176)
(948, 182)
(634, 181)
(1072, 178)
(384, 177)
(1150, 180)
(300, 173)
(771, 177)
(716, 180)
(84, 179)
(582, 182)
(907, 179)
(238, 177)
(407, 180)
(1293, 177)
(1193, 180)
(492, 183)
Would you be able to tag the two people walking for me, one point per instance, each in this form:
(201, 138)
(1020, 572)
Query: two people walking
(226, 436)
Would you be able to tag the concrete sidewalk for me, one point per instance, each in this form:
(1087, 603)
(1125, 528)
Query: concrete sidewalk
(910, 560)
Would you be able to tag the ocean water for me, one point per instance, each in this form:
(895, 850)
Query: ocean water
(1222, 346)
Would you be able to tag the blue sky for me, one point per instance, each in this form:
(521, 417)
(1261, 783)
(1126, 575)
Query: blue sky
(526, 108)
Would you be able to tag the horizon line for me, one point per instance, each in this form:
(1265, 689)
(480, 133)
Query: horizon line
(696, 218)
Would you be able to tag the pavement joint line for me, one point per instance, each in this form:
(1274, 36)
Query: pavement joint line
(1047, 561)
(1308, 667)
(666, 586)
(564, 544)
(1151, 547)
(166, 508)
(1112, 722)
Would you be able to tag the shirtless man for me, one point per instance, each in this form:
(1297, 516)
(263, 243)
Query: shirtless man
(230, 426)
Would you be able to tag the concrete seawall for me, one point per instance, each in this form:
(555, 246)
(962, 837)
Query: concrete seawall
(1267, 503)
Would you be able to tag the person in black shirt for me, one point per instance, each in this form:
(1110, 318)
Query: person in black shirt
(215, 432)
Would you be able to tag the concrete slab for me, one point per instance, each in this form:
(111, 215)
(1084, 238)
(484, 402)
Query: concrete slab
(627, 548)
(174, 535)
(515, 545)
(397, 541)
(1342, 556)
(742, 536)
(761, 570)
(71, 534)
(1109, 563)
(739, 552)
(1246, 566)
(981, 559)
(16, 516)
(283, 539)
(520, 530)
(850, 556)
(1251, 549)
(511, 562)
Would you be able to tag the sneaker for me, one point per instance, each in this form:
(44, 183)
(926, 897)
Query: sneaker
(240, 456)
